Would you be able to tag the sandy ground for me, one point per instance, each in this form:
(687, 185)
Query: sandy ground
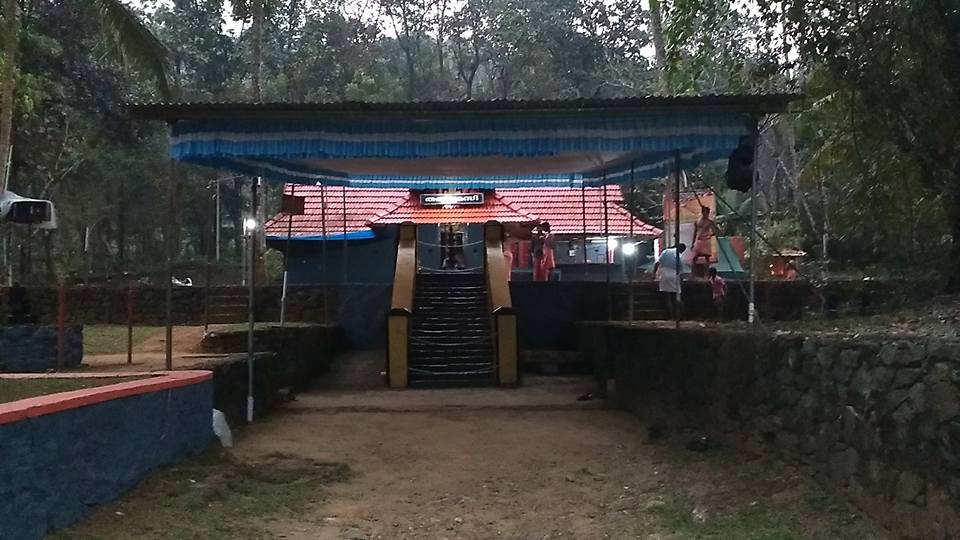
(531, 463)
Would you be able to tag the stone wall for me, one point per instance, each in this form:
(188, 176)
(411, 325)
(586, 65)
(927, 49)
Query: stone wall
(291, 358)
(83, 452)
(874, 416)
(33, 348)
(108, 305)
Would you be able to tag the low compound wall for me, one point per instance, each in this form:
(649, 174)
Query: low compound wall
(876, 417)
(291, 357)
(33, 348)
(62, 454)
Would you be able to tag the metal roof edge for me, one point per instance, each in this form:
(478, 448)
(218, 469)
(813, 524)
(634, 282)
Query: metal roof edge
(745, 103)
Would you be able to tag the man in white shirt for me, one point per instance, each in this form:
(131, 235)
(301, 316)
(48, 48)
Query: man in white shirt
(669, 276)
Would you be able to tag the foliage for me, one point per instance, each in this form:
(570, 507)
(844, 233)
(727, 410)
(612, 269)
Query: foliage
(868, 163)
(877, 143)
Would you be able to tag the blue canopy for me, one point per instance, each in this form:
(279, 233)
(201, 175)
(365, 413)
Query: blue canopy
(481, 145)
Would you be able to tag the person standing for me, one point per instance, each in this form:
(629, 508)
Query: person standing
(536, 252)
(704, 231)
(544, 256)
(791, 274)
(668, 276)
(718, 291)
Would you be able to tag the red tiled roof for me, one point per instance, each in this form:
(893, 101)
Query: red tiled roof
(492, 209)
(564, 209)
(361, 205)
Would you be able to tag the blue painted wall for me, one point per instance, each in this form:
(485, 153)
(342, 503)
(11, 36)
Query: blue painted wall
(55, 468)
(33, 348)
(367, 261)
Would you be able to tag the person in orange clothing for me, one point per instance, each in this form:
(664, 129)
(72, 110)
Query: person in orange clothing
(704, 231)
(545, 261)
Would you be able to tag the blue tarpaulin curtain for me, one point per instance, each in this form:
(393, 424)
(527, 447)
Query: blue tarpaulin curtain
(472, 151)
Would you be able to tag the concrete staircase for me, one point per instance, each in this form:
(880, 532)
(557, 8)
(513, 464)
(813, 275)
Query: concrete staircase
(227, 305)
(647, 304)
(451, 342)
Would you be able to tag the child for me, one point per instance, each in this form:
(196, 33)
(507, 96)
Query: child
(718, 288)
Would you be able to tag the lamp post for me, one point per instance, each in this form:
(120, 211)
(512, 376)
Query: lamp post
(629, 250)
(249, 236)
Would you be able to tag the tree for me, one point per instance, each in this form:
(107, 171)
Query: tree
(128, 39)
(894, 66)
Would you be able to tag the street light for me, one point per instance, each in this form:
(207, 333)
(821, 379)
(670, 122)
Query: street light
(612, 243)
(630, 249)
(249, 225)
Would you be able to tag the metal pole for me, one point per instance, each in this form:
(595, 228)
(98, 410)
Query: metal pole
(61, 324)
(286, 263)
(206, 286)
(168, 241)
(323, 248)
(344, 247)
(129, 322)
(251, 268)
(606, 250)
(752, 306)
(633, 264)
(218, 220)
(583, 218)
(6, 267)
(676, 234)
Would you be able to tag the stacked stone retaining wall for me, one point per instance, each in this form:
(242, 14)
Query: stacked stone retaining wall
(33, 348)
(874, 416)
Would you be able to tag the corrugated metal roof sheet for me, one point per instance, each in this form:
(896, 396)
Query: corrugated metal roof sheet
(759, 103)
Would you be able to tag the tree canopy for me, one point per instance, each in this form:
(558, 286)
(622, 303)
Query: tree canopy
(868, 168)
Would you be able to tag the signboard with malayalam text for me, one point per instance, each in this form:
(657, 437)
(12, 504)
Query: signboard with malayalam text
(451, 199)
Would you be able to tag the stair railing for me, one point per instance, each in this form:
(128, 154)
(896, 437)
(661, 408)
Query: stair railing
(503, 316)
(401, 307)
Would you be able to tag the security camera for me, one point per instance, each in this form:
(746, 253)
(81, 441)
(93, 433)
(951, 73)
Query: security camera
(17, 209)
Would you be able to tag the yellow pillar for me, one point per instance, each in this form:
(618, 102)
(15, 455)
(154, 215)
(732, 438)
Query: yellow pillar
(503, 318)
(401, 307)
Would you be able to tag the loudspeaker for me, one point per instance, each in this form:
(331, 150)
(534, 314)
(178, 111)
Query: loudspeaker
(740, 165)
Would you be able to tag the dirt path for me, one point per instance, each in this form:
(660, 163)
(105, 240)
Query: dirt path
(150, 355)
(532, 463)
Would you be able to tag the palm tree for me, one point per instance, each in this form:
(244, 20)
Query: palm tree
(128, 39)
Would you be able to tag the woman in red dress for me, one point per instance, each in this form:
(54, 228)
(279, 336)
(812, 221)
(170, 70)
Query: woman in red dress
(546, 262)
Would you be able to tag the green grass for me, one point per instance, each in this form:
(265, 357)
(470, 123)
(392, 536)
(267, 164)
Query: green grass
(780, 503)
(16, 389)
(759, 522)
(213, 497)
(112, 339)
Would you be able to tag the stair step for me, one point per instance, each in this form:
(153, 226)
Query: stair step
(451, 342)
(451, 331)
(465, 367)
(451, 353)
(452, 382)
